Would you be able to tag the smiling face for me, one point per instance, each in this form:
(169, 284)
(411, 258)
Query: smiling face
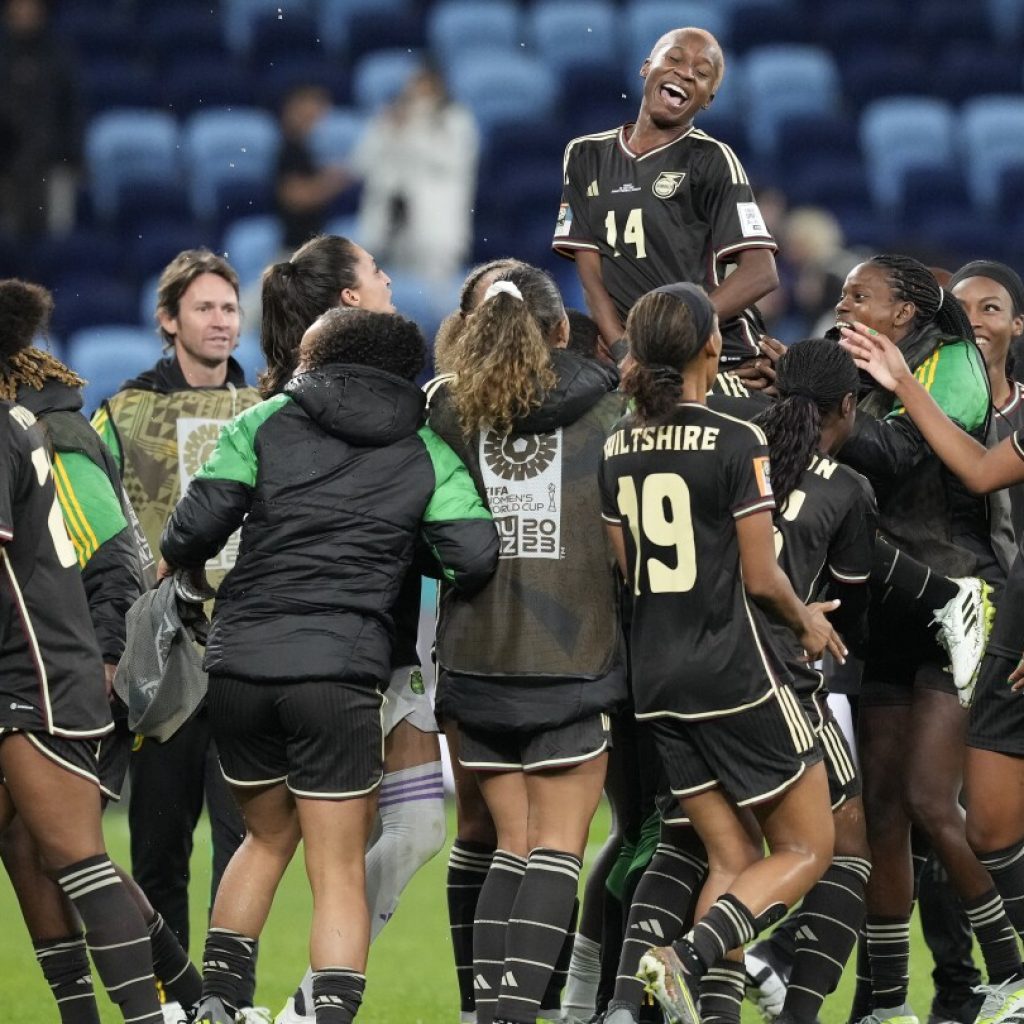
(868, 297)
(681, 76)
(990, 309)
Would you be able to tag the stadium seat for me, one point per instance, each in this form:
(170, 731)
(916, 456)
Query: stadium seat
(992, 138)
(250, 356)
(1007, 18)
(457, 25)
(899, 133)
(335, 16)
(336, 135)
(567, 33)
(786, 81)
(240, 17)
(250, 244)
(380, 76)
(502, 86)
(646, 21)
(108, 355)
(128, 146)
(223, 146)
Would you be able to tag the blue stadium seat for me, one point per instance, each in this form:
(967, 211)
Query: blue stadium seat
(646, 21)
(86, 299)
(501, 86)
(250, 356)
(335, 16)
(457, 25)
(992, 137)
(128, 146)
(108, 355)
(240, 17)
(566, 33)
(783, 82)
(900, 133)
(250, 244)
(192, 85)
(336, 135)
(1007, 18)
(223, 146)
(380, 76)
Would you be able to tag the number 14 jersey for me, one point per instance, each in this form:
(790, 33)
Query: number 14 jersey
(700, 648)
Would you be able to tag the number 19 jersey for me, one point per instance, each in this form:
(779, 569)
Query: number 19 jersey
(700, 648)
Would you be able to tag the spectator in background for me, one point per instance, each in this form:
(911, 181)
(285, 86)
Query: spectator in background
(418, 164)
(303, 191)
(40, 124)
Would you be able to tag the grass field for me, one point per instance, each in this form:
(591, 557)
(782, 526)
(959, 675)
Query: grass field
(411, 976)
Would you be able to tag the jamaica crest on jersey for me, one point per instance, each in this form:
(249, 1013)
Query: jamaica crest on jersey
(666, 183)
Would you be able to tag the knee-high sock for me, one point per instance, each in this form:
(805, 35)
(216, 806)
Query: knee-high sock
(721, 992)
(889, 952)
(551, 1003)
(468, 863)
(829, 921)
(227, 964)
(176, 973)
(116, 936)
(65, 965)
(1007, 870)
(337, 995)
(536, 931)
(493, 910)
(995, 935)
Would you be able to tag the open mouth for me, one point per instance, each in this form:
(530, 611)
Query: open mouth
(840, 324)
(673, 95)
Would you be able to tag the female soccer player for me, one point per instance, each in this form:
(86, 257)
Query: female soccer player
(531, 666)
(912, 725)
(728, 727)
(994, 769)
(334, 480)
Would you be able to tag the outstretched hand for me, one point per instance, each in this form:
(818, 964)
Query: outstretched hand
(875, 353)
(818, 634)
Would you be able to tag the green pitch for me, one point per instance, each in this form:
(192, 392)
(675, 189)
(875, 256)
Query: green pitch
(411, 978)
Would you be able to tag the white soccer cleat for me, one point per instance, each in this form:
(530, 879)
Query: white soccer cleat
(254, 1015)
(174, 1013)
(965, 622)
(765, 988)
(290, 1015)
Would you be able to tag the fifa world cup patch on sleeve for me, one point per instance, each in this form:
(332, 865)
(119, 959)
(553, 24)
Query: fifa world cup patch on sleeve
(763, 474)
(564, 223)
(751, 221)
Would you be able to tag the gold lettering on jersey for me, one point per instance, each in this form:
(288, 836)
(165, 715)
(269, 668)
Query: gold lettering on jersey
(22, 416)
(676, 438)
(824, 468)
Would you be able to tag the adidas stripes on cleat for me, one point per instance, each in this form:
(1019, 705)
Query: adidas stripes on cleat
(965, 622)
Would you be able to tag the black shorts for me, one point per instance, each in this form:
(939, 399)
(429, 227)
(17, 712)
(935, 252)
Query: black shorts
(840, 767)
(752, 755)
(904, 654)
(560, 747)
(997, 712)
(115, 753)
(324, 740)
(80, 757)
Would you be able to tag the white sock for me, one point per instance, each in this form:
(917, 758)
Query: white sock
(580, 997)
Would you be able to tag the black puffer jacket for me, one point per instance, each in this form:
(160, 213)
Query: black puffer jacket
(335, 479)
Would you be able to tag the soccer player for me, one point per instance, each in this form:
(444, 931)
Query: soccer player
(160, 427)
(530, 666)
(325, 273)
(912, 724)
(53, 714)
(728, 727)
(334, 479)
(994, 769)
(99, 523)
(659, 201)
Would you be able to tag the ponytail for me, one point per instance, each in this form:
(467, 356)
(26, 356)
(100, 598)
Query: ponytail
(655, 390)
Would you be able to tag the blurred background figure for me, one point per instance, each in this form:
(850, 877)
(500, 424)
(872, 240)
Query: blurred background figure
(40, 123)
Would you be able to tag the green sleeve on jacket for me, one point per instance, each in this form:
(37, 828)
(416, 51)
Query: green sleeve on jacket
(455, 495)
(104, 426)
(92, 511)
(955, 377)
(234, 458)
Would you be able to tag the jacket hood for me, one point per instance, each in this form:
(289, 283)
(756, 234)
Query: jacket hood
(359, 404)
(54, 396)
(166, 376)
(581, 384)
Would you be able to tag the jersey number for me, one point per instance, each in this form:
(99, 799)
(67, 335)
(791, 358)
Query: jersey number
(794, 503)
(634, 233)
(663, 517)
(55, 520)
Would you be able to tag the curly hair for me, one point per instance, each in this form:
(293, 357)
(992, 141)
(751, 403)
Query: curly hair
(385, 341)
(812, 377)
(25, 310)
(295, 293)
(502, 361)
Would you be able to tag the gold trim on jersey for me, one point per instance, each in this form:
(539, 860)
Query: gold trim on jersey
(624, 146)
(739, 176)
(595, 136)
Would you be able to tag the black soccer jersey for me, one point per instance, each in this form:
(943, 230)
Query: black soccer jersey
(678, 213)
(700, 649)
(51, 675)
(1008, 419)
(1007, 639)
(826, 528)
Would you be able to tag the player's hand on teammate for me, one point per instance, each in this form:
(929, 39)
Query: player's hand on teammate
(1017, 676)
(818, 634)
(108, 679)
(875, 353)
(759, 374)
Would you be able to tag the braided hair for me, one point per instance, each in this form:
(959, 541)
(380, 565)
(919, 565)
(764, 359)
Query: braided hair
(812, 378)
(911, 281)
(25, 310)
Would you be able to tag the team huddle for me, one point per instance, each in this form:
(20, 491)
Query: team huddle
(661, 541)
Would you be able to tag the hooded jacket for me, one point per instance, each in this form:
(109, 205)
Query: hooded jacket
(541, 645)
(335, 480)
